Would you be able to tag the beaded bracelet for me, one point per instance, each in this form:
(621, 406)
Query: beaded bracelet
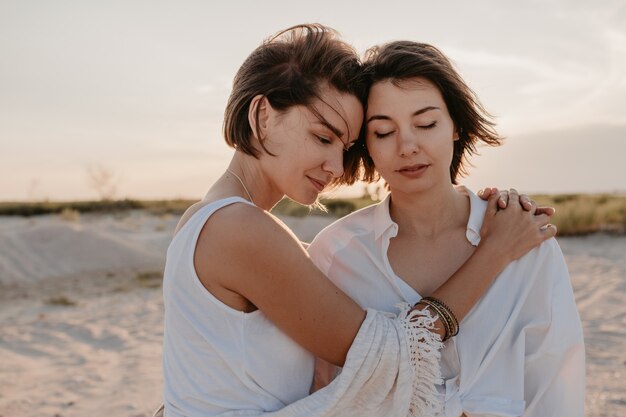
(440, 315)
(449, 314)
(443, 316)
(450, 323)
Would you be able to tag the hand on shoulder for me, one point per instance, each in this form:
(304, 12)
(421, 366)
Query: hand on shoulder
(514, 231)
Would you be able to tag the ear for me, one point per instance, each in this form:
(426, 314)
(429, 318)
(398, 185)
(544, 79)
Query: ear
(258, 116)
(455, 134)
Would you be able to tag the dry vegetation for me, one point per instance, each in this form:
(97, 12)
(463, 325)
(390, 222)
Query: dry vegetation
(577, 214)
(61, 300)
(97, 206)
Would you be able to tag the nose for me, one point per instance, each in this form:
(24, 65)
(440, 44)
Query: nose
(334, 163)
(408, 142)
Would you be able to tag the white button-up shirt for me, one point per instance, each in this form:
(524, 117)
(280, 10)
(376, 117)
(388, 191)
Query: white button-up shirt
(519, 351)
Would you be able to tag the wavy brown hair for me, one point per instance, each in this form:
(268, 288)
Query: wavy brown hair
(289, 69)
(400, 61)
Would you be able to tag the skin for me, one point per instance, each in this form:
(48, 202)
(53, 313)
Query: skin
(410, 137)
(249, 260)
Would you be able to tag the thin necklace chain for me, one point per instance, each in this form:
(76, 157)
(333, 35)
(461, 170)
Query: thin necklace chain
(242, 184)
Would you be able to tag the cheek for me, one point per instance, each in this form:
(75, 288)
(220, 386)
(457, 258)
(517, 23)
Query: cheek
(379, 152)
(440, 144)
(309, 152)
(449, 149)
(372, 146)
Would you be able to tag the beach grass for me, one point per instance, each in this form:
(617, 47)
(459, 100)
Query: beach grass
(576, 214)
(61, 300)
(94, 206)
(151, 279)
(580, 214)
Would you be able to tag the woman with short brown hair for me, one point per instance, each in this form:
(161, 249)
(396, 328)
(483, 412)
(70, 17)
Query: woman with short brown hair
(246, 310)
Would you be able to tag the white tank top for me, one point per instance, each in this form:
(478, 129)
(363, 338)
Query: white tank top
(216, 358)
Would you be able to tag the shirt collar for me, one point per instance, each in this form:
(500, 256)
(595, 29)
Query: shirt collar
(477, 214)
(382, 218)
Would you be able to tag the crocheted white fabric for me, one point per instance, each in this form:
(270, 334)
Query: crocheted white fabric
(392, 369)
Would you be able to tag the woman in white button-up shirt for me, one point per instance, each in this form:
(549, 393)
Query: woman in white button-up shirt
(246, 309)
(520, 350)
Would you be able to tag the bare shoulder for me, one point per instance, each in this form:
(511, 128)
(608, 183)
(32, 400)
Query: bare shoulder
(249, 260)
(240, 227)
(240, 247)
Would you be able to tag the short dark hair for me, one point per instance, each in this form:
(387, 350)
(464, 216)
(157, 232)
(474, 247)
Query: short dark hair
(402, 60)
(289, 69)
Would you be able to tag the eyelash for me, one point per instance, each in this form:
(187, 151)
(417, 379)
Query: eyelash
(384, 135)
(326, 141)
(323, 140)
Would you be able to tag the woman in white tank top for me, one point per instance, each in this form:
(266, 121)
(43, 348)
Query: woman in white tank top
(245, 308)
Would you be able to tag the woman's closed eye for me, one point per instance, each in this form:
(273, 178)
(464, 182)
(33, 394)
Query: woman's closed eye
(324, 140)
(428, 126)
(381, 135)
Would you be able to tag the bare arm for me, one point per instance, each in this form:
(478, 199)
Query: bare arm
(245, 251)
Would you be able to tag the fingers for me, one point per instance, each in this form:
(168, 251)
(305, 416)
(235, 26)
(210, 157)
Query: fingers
(548, 231)
(486, 192)
(541, 220)
(492, 202)
(512, 198)
(527, 203)
(503, 201)
(546, 210)
(506, 197)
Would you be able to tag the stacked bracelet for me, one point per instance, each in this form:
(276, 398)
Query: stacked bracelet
(450, 317)
(446, 315)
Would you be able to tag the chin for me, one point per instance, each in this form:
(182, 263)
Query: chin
(310, 201)
(413, 188)
(304, 198)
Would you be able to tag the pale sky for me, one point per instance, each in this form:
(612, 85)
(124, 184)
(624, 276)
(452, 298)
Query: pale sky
(139, 87)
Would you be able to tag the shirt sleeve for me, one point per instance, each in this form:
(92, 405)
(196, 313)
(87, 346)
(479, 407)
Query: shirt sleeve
(554, 377)
(320, 252)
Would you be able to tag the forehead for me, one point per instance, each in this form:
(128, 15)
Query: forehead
(342, 110)
(391, 95)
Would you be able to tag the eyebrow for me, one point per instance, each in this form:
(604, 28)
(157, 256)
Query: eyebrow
(332, 128)
(416, 113)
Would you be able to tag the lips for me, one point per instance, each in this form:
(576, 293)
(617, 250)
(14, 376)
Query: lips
(318, 184)
(413, 171)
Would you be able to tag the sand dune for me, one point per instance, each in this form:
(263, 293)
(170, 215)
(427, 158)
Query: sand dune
(81, 314)
(48, 247)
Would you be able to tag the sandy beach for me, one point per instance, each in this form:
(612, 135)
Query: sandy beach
(81, 313)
